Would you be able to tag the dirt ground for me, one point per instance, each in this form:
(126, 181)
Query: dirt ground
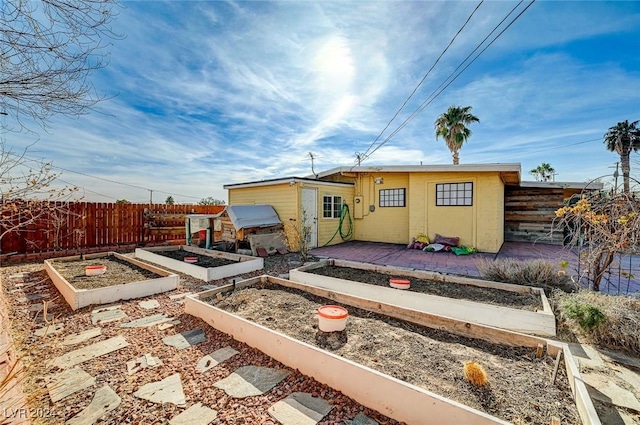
(519, 388)
(203, 260)
(444, 289)
(118, 272)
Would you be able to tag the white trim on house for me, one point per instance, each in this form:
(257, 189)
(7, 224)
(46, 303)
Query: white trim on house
(438, 168)
(290, 180)
(564, 185)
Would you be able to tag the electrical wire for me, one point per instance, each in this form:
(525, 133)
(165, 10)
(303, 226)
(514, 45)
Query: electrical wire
(542, 150)
(438, 91)
(423, 79)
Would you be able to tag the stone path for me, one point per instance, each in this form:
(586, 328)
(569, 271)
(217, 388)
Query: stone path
(89, 352)
(300, 409)
(168, 390)
(104, 401)
(250, 381)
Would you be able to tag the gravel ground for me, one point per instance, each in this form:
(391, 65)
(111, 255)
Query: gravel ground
(444, 289)
(111, 369)
(444, 354)
(519, 387)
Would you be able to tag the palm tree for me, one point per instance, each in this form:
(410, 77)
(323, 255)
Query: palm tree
(543, 172)
(623, 138)
(451, 126)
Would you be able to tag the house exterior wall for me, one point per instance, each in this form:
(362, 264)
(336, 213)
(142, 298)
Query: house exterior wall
(480, 225)
(286, 200)
(384, 224)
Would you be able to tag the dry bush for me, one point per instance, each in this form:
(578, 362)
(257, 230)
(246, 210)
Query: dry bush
(606, 320)
(538, 273)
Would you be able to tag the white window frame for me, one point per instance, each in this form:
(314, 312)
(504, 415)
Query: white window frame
(392, 198)
(454, 194)
(333, 201)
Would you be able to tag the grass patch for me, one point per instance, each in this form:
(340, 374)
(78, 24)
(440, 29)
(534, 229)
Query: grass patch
(606, 320)
(539, 273)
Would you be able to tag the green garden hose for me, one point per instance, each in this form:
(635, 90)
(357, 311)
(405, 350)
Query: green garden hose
(344, 212)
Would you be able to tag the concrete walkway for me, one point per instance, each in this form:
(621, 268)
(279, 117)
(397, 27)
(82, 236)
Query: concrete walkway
(618, 282)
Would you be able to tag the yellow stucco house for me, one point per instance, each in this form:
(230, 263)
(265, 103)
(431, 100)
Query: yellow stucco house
(391, 203)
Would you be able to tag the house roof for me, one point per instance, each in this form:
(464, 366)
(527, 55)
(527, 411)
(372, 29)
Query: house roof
(282, 180)
(243, 216)
(564, 185)
(510, 171)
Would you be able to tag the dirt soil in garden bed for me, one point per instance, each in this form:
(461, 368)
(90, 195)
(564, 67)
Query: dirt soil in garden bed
(203, 260)
(444, 289)
(118, 272)
(519, 389)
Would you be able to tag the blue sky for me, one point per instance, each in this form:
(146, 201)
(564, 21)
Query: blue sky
(204, 93)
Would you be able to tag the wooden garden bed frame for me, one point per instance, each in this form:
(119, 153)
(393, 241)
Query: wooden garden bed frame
(542, 323)
(78, 298)
(390, 396)
(244, 263)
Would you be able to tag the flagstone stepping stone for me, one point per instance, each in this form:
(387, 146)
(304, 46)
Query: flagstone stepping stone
(215, 358)
(82, 336)
(204, 287)
(32, 297)
(602, 389)
(179, 296)
(251, 381)
(68, 382)
(168, 325)
(20, 275)
(89, 352)
(195, 415)
(143, 362)
(185, 339)
(300, 409)
(104, 401)
(52, 329)
(36, 308)
(106, 315)
(362, 419)
(147, 321)
(149, 304)
(39, 318)
(168, 390)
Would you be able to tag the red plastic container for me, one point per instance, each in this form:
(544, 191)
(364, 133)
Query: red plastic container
(399, 283)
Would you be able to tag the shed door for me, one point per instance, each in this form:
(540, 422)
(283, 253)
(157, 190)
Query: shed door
(310, 213)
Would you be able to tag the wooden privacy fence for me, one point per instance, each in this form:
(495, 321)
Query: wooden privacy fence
(81, 226)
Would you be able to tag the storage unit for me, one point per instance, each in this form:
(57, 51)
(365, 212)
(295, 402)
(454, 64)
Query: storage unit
(238, 222)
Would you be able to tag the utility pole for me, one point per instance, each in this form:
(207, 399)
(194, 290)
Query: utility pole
(615, 176)
(150, 197)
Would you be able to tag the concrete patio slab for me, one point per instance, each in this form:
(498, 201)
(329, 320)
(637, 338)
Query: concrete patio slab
(250, 381)
(215, 358)
(300, 409)
(168, 390)
(195, 415)
(68, 382)
(89, 352)
(104, 401)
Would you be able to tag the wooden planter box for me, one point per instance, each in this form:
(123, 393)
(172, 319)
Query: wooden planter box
(541, 323)
(244, 263)
(390, 396)
(78, 298)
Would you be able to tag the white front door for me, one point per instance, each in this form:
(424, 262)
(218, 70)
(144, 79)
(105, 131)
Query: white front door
(310, 214)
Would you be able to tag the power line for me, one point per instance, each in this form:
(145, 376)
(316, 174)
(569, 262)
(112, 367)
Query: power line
(99, 178)
(359, 159)
(438, 91)
(545, 149)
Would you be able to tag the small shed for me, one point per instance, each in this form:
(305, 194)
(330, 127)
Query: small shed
(203, 229)
(238, 222)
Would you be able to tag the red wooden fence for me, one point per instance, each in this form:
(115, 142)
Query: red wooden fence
(85, 227)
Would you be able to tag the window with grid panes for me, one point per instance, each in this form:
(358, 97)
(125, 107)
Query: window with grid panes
(393, 198)
(454, 194)
(331, 206)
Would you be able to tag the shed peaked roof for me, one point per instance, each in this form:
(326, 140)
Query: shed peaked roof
(243, 216)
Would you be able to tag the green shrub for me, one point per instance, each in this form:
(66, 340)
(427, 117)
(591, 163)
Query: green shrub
(606, 320)
(538, 273)
(588, 316)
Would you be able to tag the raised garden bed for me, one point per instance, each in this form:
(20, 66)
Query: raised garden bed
(210, 265)
(404, 363)
(514, 307)
(125, 278)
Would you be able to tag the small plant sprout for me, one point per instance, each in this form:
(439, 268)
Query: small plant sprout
(475, 374)
(564, 264)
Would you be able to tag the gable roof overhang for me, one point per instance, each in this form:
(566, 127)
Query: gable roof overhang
(283, 180)
(510, 173)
